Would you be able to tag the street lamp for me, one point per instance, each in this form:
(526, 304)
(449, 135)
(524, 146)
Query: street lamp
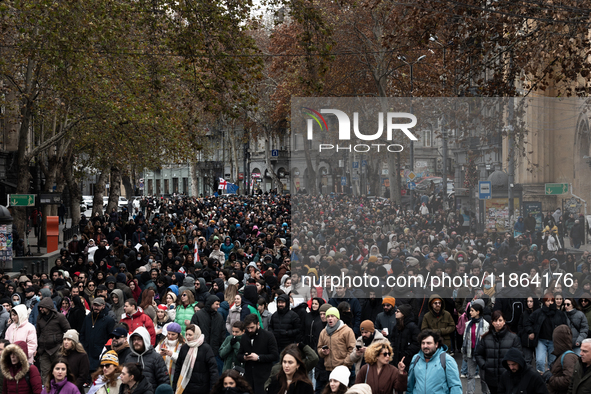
(412, 144)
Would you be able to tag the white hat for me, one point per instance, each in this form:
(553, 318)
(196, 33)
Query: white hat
(233, 281)
(342, 374)
(73, 335)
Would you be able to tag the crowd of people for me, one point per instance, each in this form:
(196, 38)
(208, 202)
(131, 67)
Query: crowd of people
(215, 295)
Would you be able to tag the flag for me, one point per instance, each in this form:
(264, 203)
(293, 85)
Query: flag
(223, 184)
(232, 188)
(196, 257)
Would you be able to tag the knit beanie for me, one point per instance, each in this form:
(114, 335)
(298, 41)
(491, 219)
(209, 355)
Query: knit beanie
(110, 357)
(389, 300)
(73, 335)
(341, 373)
(333, 312)
(367, 325)
(324, 307)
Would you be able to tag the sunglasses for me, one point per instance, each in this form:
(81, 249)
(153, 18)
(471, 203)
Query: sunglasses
(567, 304)
(184, 295)
(386, 354)
(106, 366)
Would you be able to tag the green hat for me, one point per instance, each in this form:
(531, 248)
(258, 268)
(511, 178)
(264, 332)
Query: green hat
(334, 312)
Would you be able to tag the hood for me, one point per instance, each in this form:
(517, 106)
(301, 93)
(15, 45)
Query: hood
(203, 287)
(563, 339)
(210, 301)
(143, 332)
(119, 294)
(360, 388)
(220, 283)
(174, 289)
(514, 355)
(110, 279)
(284, 298)
(250, 294)
(180, 278)
(189, 282)
(228, 239)
(22, 313)
(48, 304)
(5, 363)
(433, 297)
(253, 264)
(283, 279)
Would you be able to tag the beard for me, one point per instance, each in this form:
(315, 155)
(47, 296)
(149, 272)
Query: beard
(429, 353)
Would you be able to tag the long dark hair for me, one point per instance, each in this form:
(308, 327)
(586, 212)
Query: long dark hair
(242, 385)
(341, 390)
(300, 374)
(49, 377)
(495, 316)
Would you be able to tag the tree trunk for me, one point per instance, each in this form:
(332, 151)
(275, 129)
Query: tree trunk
(128, 186)
(193, 173)
(114, 190)
(276, 182)
(74, 189)
(99, 191)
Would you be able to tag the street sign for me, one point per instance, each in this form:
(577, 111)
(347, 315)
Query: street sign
(411, 175)
(412, 185)
(355, 178)
(484, 190)
(256, 174)
(343, 181)
(355, 164)
(21, 200)
(141, 185)
(274, 153)
(50, 199)
(556, 188)
(363, 163)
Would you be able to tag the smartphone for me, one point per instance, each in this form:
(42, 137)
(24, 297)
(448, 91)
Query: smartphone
(247, 353)
(358, 347)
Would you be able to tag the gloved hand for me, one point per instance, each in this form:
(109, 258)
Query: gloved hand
(234, 340)
(301, 345)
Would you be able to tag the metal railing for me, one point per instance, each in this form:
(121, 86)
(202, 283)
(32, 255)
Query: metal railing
(69, 234)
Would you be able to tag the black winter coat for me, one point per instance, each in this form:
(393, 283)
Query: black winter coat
(205, 370)
(212, 326)
(155, 370)
(490, 353)
(257, 372)
(525, 380)
(298, 388)
(404, 343)
(313, 326)
(143, 387)
(286, 326)
(522, 331)
(537, 318)
(93, 338)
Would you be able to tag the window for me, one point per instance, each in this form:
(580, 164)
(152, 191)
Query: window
(427, 138)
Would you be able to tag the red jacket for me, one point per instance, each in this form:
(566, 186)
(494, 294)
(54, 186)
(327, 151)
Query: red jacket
(15, 381)
(140, 319)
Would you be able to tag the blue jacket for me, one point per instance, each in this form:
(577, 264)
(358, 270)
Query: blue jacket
(431, 378)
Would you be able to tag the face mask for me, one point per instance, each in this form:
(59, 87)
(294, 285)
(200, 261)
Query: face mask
(487, 287)
(139, 258)
(466, 241)
(460, 259)
(151, 261)
(15, 303)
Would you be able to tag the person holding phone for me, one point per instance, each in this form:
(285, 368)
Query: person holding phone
(336, 342)
(369, 336)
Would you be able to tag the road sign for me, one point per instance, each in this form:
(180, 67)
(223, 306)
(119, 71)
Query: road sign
(355, 164)
(556, 188)
(363, 163)
(484, 190)
(50, 199)
(274, 153)
(141, 185)
(412, 185)
(343, 181)
(256, 174)
(411, 175)
(21, 200)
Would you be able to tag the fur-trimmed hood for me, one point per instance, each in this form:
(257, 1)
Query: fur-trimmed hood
(20, 349)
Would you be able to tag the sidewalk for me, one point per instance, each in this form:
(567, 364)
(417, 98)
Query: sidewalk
(32, 240)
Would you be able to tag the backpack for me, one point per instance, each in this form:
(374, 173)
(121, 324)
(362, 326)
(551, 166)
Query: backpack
(462, 321)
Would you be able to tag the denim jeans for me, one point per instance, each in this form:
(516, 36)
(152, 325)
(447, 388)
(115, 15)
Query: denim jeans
(543, 351)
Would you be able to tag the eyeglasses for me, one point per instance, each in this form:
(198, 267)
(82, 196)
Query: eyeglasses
(386, 354)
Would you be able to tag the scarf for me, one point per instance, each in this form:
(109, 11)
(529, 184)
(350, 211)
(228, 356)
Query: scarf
(170, 345)
(98, 383)
(189, 363)
(331, 330)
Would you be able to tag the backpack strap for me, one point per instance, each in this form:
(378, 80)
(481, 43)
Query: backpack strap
(443, 362)
(562, 357)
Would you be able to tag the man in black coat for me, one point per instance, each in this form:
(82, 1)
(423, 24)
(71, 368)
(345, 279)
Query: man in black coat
(212, 326)
(285, 324)
(258, 351)
(95, 332)
(519, 377)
